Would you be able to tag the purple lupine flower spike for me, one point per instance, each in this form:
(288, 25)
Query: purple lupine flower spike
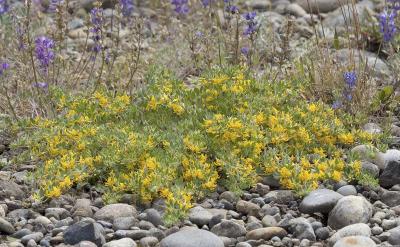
(350, 79)
(387, 24)
(252, 24)
(44, 52)
(96, 18)
(180, 6)
(4, 66)
(126, 7)
(4, 7)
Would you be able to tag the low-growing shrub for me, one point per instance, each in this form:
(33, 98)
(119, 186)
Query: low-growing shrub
(178, 141)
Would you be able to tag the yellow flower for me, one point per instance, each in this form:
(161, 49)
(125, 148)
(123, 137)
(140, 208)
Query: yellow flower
(111, 181)
(81, 146)
(55, 192)
(220, 79)
(285, 172)
(234, 124)
(166, 193)
(312, 107)
(124, 99)
(191, 146)
(176, 108)
(260, 118)
(346, 138)
(319, 151)
(218, 117)
(66, 183)
(103, 101)
(150, 163)
(152, 103)
(305, 176)
(336, 176)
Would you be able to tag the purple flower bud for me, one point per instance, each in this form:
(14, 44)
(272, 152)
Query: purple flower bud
(245, 50)
(96, 18)
(43, 85)
(387, 24)
(4, 7)
(395, 4)
(252, 24)
(126, 7)
(44, 52)
(350, 78)
(250, 16)
(180, 6)
(206, 3)
(199, 34)
(4, 66)
(53, 5)
(337, 104)
(232, 9)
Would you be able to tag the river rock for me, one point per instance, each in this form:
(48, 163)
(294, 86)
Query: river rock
(320, 200)
(123, 242)
(113, 211)
(192, 237)
(350, 210)
(359, 229)
(84, 231)
(266, 233)
(228, 228)
(355, 241)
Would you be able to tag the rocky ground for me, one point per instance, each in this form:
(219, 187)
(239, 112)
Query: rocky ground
(341, 215)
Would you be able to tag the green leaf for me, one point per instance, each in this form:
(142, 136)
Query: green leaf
(385, 93)
(336, 43)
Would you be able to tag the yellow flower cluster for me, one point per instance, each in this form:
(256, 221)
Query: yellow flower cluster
(179, 143)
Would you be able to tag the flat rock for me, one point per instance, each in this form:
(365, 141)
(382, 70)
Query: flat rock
(318, 6)
(228, 228)
(301, 229)
(113, 211)
(84, 231)
(200, 216)
(319, 201)
(347, 190)
(10, 189)
(350, 210)
(36, 236)
(349, 56)
(124, 223)
(248, 208)
(191, 237)
(390, 155)
(82, 208)
(370, 168)
(123, 242)
(394, 237)
(359, 229)
(390, 175)
(355, 241)
(153, 216)
(266, 233)
(280, 196)
(6, 227)
(390, 198)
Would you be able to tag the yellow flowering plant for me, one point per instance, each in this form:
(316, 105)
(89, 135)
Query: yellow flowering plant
(178, 141)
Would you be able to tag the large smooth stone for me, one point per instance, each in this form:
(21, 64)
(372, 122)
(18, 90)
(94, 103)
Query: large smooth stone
(355, 241)
(319, 201)
(359, 229)
(350, 210)
(266, 233)
(113, 211)
(192, 237)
